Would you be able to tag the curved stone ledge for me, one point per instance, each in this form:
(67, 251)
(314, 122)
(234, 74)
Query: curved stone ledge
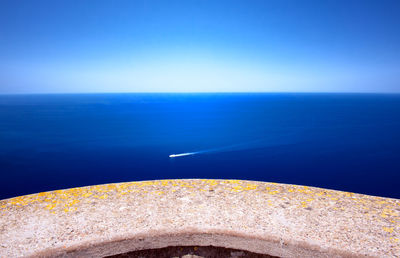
(267, 218)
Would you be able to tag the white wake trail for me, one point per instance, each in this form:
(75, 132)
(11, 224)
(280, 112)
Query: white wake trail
(182, 154)
(287, 138)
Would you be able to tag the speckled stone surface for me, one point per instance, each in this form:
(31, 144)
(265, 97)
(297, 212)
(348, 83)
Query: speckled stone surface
(275, 219)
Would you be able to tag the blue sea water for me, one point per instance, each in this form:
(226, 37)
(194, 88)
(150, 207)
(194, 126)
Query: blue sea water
(348, 142)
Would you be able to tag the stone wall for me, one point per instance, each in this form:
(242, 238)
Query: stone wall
(265, 218)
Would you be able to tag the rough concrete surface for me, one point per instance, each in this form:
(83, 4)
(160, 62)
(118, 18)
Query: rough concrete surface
(265, 218)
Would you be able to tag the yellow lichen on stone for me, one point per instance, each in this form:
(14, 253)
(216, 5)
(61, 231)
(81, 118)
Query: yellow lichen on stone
(303, 204)
(389, 230)
(212, 182)
(250, 187)
(237, 188)
(50, 206)
(87, 194)
(159, 192)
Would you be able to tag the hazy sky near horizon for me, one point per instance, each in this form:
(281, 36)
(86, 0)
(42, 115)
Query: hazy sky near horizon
(199, 46)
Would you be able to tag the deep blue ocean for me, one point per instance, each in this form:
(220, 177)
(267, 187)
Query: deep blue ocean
(348, 142)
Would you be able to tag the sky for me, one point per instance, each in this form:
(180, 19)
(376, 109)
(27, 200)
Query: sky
(85, 46)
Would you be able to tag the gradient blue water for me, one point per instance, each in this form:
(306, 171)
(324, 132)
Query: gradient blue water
(349, 142)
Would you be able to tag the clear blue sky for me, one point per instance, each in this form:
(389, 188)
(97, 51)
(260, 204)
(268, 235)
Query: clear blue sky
(199, 46)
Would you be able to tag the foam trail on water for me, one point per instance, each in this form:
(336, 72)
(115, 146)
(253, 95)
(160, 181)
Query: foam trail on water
(220, 149)
(182, 154)
(258, 143)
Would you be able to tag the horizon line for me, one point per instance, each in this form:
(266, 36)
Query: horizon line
(200, 92)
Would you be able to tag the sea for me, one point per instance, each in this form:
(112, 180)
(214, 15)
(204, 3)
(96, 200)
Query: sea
(348, 142)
